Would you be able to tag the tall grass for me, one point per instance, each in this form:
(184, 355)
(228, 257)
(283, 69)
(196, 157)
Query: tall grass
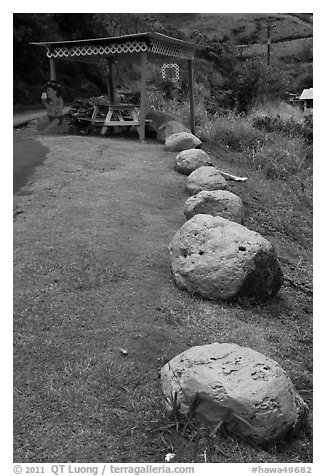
(178, 104)
(272, 137)
(231, 129)
(281, 109)
(281, 151)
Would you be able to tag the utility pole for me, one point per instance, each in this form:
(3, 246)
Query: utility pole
(241, 56)
(241, 59)
(268, 42)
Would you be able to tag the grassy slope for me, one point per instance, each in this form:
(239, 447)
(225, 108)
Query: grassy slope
(239, 27)
(252, 28)
(91, 275)
(282, 52)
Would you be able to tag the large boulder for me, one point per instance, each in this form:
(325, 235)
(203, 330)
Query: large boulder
(168, 128)
(157, 118)
(247, 392)
(181, 141)
(220, 259)
(205, 178)
(216, 202)
(189, 160)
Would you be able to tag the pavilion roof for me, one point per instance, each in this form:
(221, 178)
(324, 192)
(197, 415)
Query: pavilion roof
(94, 49)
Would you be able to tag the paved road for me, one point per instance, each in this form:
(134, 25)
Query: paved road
(21, 118)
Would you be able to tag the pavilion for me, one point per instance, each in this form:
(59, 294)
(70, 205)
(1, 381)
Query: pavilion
(142, 47)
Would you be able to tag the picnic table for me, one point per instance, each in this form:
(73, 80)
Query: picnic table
(107, 114)
(98, 115)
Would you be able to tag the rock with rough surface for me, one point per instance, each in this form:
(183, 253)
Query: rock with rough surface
(181, 141)
(189, 160)
(157, 118)
(247, 392)
(168, 128)
(205, 178)
(216, 203)
(220, 259)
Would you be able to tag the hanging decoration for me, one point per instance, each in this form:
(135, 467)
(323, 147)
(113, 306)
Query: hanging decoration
(171, 71)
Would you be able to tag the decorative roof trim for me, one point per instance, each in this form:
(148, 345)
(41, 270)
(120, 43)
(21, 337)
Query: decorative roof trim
(96, 48)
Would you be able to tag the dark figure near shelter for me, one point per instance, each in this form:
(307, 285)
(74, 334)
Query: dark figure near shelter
(53, 101)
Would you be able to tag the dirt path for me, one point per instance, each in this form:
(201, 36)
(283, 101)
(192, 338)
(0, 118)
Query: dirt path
(91, 276)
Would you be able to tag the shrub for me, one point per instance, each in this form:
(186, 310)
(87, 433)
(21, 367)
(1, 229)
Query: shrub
(283, 118)
(308, 129)
(231, 129)
(179, 108)
(284, 158)
(277, 108)
(288, 127)
(254, 82)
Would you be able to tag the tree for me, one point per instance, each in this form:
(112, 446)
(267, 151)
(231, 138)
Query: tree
(29, 27)
(222, 55)
(77, 26)
(33, 27)
(253, 83)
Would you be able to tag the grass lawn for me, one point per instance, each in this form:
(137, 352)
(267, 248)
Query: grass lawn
(92, 276)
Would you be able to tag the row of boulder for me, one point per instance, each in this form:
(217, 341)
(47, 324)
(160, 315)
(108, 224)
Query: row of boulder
(213, 255)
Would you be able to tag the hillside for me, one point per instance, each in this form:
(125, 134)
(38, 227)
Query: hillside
(291, 36)
(242, 28)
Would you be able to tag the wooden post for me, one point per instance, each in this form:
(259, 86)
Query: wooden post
(191, 96)
(142, 115)
(108, 81)
(111, 83)
(53, 75)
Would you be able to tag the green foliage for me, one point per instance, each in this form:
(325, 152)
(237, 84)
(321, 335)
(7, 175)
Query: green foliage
(271, 124)
(232, 130)
(291, 126)
(244, 84)
(76, 26)
(254, 82)
(304, 80)
(306, 53)
(293, 58)
(275, 139)
(308, 128)
(222, 55)
(77, 79)
(289, 160)
(244, 28)
(27, 28)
